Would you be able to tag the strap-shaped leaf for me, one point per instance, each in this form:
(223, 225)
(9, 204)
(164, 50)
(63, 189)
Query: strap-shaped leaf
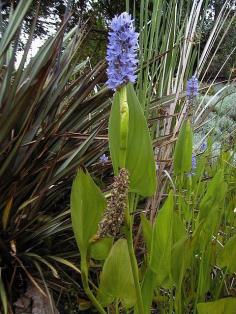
(183, 150)
(14, 23)
(87, 206)
(116, 278)
(139, 156)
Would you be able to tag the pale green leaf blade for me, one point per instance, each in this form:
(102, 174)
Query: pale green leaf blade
(147, 232)
(183, 150)
(100, 249)
(223, 306)
(87, 206)
(116, 280)
(160, 259)
(139, 157)
(226, 257)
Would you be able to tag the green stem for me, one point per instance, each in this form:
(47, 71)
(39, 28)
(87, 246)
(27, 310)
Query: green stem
(117, 306)
(133, 258)
(84, 275)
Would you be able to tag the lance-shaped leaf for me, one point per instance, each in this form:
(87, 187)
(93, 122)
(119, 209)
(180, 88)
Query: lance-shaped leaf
(183, 150)
(223, 306)
(226, 257)
(139, 156)
(160, 259)
(116, 281)
(87, 206)
(214, 195)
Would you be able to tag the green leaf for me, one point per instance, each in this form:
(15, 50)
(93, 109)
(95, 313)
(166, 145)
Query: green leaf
(139, 156)
(100, 249)
(182, 251)
(223, 306)
(116, 280)
(214, 195)
(179, 230)
(147, 232)
(148, 287)
(183, 150)
(160, 259)
(14, 24)
(87, 206)
(226, 257)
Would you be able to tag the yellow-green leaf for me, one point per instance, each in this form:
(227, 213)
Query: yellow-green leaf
(226, 257)
(183, 150)
(223, 306)
(87, 207)
(100, 249)
(160, 258)
(116, 280)
(139, 155)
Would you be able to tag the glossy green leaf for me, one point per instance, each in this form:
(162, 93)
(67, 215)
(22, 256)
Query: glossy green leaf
(226, 257)
(87, 206)
(160, 259)
(183, 150)
(116, 280)
(223, 306)
(139, 156)
(100, 249)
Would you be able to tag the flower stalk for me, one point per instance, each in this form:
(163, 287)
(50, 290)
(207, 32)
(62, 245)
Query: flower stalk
(124, 125)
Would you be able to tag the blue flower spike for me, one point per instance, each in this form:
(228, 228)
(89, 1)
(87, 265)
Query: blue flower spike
(121, 51)
(192, 87)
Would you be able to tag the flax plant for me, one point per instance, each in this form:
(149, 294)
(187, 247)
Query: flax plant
(51, 113)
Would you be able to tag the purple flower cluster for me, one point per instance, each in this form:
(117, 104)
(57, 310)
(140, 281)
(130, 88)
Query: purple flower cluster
(121, 51)
(194, 162)
(103, 159)
(203, 147)
(192, 87)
